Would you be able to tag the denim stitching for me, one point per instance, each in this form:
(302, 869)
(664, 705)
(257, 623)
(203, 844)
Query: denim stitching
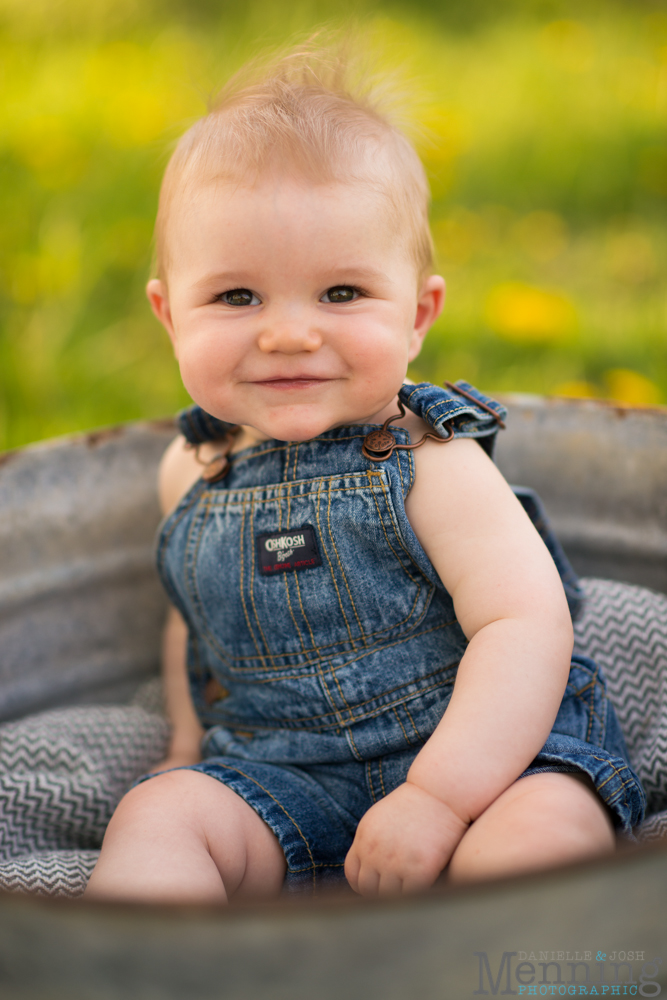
(228, 501)
(406, 571)
(369, 781)
(249, 777)
(315, 648)
(617, 774)
(590, 717)
(342, 571)
(363, 653)
(341, 725)
(241, 578)
(412, 723)
(332, 670)
(333, 575)
(459, 408)
(592, 714)
(252, 577)
(292, 615)
(591, 686)
(286, 461)
(352, 745)
(398, 719)
(325, 686)
(400, 473)
(305, 618)
(603, 717)
(340, 691)
(280, 499)
(449, 414)
(296, 725)
(387, 499)
(189, 577)
(242, 672)
(221, 498)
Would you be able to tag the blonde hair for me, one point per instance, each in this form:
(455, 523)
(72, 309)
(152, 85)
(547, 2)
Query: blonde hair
(302, 111)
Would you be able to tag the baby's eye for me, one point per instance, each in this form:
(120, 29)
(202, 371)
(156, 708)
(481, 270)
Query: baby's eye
(238, 297)
(340, 293)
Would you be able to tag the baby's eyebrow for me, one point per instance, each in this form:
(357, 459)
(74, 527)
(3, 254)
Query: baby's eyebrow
(340, 274)
(229, 278)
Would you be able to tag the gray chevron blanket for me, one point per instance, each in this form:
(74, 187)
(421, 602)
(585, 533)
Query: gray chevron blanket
(63, 772)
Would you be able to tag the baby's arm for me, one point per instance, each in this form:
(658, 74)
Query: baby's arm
(186, 732)
(510, 603)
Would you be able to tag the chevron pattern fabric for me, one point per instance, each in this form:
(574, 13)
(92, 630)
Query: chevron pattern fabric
(49, 873)
(63, 772)
(624, 629)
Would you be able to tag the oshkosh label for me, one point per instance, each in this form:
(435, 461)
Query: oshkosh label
(288, 550)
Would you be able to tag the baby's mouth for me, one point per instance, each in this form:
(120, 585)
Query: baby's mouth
(295, 382)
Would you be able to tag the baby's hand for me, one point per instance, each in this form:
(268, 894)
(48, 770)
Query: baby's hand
(402, 843)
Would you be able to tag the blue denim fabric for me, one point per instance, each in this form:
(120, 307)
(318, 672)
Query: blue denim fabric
(331, 678)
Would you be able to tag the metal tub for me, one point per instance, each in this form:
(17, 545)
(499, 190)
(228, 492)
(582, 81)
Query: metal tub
(80, 616)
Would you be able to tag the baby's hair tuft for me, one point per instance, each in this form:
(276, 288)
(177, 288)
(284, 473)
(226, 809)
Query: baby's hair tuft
(314, 111)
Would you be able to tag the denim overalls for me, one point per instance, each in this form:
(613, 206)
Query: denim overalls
(323, 647)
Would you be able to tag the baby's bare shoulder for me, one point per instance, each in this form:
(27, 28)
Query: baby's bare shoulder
(457, 474)
(179, 470)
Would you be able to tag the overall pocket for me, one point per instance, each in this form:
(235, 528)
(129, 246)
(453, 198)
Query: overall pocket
(281, 577)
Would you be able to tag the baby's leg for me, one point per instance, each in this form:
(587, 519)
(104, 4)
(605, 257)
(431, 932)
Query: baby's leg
(540, 821)
(185, 837)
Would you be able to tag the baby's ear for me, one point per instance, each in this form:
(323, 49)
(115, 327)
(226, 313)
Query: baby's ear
(430, 302)
(158, 297)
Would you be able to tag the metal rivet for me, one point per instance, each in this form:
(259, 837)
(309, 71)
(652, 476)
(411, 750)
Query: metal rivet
(379, 444)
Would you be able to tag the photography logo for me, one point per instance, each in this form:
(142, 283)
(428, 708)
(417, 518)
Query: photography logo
(565, 973)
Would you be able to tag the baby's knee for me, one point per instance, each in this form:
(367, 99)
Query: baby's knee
(564, 810)
(541, 821)
(165, 798)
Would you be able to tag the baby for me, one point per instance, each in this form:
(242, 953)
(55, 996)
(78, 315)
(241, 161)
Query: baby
(368, 659)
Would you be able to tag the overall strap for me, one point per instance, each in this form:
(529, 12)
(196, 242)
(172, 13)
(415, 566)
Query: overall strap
(197, 426)
(459, 410)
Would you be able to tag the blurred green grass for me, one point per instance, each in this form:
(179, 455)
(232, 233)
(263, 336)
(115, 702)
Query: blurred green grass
(544, 138)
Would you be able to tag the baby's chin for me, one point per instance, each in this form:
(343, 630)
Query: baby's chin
(299, 427)
(297, 431)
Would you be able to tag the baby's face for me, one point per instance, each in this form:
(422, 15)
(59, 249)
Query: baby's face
(293, 308)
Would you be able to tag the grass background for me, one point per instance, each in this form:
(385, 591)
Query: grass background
(548, 164)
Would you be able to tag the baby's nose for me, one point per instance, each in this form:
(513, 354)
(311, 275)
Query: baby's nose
(289, 338)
